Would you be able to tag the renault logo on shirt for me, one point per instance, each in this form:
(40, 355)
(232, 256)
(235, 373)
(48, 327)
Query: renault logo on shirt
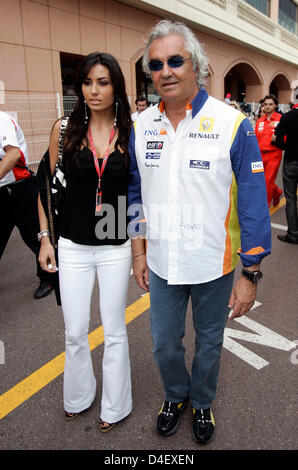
(206, 124)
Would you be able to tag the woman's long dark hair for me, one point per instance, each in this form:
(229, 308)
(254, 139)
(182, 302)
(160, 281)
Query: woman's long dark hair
(76, 129)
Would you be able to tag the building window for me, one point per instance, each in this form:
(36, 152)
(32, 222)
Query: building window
(287, 15)
(261, 5)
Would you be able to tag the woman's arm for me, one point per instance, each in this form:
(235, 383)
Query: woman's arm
(140, 267)
(47, 252)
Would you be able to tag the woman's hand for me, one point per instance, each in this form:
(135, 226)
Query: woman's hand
(46, 256)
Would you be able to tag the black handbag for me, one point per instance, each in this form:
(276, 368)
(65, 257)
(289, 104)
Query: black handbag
(52, 198)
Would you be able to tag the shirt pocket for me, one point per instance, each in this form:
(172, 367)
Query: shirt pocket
(200, 163)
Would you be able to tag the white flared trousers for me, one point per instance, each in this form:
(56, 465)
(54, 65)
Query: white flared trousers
(78, 265)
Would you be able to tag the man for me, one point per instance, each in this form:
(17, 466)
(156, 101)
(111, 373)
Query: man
(141, 104)
(18, 195)
(271, 156)
(187, 153)
(287, 139)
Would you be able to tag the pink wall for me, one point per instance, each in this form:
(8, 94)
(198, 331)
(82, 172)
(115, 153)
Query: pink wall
(33, 33)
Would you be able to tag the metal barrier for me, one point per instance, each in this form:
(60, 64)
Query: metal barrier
(36, 114)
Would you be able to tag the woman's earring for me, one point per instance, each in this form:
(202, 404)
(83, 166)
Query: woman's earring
(116, 114)
(86, 113)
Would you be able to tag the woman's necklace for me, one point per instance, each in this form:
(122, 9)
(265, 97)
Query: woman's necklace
(99, 171)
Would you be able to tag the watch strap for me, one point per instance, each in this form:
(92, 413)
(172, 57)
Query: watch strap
(252, 276)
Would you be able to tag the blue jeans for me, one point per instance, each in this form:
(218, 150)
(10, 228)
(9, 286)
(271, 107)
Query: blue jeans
(210, 313)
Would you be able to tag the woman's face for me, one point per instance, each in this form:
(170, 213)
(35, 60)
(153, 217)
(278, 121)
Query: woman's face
(97, 89)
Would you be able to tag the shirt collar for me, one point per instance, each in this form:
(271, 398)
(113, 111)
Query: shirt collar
(196, 104)
(199, 101)
(273, 117)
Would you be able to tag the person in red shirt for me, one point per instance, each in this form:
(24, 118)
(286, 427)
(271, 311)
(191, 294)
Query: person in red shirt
(271, 155)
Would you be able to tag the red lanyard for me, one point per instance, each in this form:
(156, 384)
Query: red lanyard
(100, 171)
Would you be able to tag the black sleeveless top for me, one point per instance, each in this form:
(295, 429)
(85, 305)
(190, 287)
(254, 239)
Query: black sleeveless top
(78, 220)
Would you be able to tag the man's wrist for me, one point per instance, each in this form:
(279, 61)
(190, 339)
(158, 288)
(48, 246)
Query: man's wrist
(252, 267)
(139, 254)
(253, 276)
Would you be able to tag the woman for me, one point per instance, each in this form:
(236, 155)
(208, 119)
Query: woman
(96, 164)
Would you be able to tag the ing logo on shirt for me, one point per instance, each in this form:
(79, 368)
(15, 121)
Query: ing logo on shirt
(155, 132)
(206, 124)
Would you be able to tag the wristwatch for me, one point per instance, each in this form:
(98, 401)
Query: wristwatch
(43, 233)
(252, 276)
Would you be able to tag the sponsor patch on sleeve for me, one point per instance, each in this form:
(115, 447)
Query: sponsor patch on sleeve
(257, 167)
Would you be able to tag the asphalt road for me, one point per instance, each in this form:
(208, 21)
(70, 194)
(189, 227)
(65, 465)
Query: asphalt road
(256, 403)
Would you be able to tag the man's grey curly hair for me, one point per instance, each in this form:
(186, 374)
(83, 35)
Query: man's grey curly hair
(165, 28)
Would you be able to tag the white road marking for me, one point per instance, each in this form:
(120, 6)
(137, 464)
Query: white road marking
(280, 227)
(264, 336)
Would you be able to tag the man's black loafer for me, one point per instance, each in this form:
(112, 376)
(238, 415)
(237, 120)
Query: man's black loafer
(169, 417)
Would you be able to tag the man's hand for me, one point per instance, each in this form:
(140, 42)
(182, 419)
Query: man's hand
(141, 272)
(242, 297)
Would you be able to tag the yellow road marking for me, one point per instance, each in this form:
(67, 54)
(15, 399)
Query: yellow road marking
(50, 371)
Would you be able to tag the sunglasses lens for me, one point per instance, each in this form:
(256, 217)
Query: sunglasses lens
(175, 62)
(155, 65)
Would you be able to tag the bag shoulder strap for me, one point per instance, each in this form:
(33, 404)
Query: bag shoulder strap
(50, 213)
(63, 127)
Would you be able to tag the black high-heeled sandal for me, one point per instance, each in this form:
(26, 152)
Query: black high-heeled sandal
(106, 427)
(70, 416)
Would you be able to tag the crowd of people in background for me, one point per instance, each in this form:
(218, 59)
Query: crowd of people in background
(276, 133)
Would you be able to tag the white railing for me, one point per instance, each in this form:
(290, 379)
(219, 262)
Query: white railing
(36, 114)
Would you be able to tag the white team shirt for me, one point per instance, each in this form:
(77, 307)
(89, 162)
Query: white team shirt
(189, 192)
(12, 134)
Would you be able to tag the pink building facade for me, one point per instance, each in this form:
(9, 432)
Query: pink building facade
(40, 41)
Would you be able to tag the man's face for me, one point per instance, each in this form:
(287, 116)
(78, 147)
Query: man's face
(174, 85)
(141, 106)
(269, 106)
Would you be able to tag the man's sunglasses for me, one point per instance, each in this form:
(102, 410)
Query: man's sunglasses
(173, 63)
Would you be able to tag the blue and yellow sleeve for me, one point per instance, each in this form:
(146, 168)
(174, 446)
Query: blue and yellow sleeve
(252, 207)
